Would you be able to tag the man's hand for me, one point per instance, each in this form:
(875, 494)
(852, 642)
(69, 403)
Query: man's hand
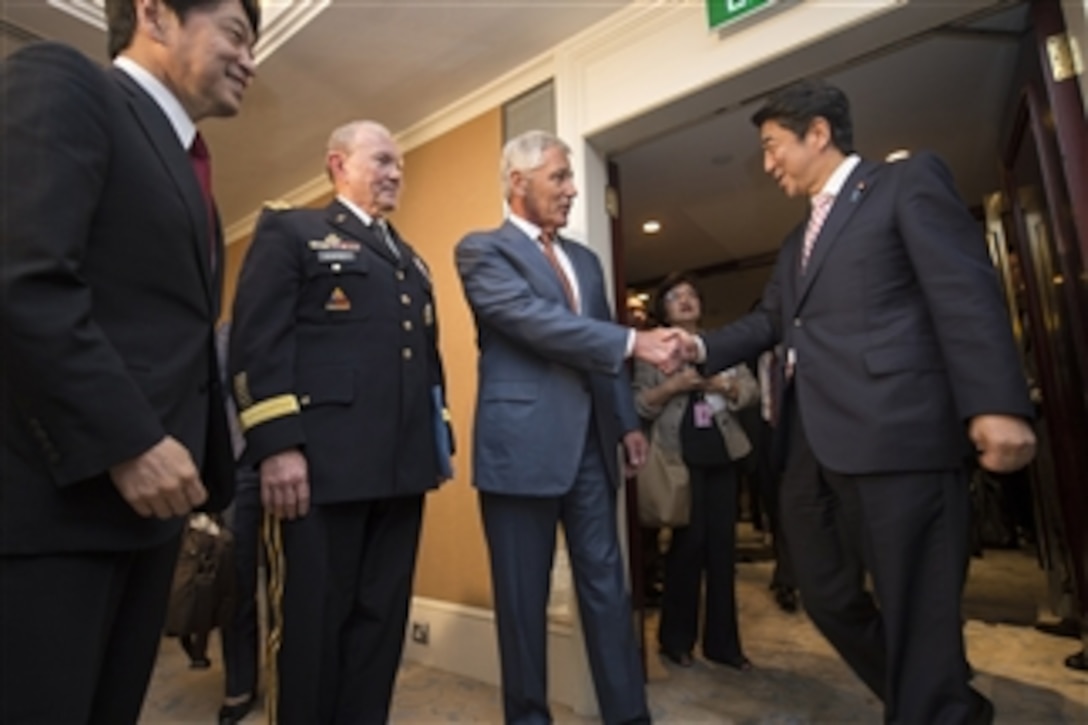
(1004, 443)
(636, 448)
(658, 347)
(687, 347)
(285, 484)
(162, 481)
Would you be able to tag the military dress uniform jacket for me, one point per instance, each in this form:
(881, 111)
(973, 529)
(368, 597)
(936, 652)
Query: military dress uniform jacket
(334, 350)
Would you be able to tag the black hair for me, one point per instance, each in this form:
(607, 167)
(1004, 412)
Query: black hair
(121, 18)
(796, 106)
(670, 283)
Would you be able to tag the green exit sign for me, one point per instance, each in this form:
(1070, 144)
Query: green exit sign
(721, 13)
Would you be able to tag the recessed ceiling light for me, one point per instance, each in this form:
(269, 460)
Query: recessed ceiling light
(651, 227)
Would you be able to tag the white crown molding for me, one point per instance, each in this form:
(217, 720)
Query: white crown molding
(485, 98)
(91, 12)
(280, 19)
(301, 195)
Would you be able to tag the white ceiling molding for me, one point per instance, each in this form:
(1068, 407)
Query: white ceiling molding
(302, 195)
(280, 19)
(91, 12)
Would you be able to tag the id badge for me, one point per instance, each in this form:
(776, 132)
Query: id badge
(704, 414)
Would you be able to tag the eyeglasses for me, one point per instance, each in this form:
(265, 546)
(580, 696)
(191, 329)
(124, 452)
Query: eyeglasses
(681, 291)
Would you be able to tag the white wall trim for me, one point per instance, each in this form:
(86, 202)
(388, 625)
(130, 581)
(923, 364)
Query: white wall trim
(487, 97)
(463, 641)
(299, 196)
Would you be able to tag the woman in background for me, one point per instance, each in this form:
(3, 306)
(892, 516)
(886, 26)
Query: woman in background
(692, 414)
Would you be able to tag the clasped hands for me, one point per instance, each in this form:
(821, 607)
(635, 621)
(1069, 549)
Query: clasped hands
(666, 348)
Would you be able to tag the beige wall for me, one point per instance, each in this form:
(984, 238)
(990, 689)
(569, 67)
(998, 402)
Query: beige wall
(452, 187)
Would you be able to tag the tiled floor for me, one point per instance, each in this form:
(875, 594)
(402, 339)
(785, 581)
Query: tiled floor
(798, 679)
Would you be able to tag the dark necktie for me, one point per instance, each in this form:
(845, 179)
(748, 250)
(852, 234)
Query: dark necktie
(383, 232)
(548, 244)
(202, 167)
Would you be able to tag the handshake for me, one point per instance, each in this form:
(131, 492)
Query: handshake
(666, 348)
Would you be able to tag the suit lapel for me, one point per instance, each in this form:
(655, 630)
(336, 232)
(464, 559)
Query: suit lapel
(162, 138)
(349, 223)
(528, 250)
(852, 195)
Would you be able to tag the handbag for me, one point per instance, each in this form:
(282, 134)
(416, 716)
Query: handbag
(664, 489)
(201, 594)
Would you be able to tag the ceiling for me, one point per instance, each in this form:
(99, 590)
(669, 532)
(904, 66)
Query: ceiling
(947, 91)
(397, 61)
(402, 60)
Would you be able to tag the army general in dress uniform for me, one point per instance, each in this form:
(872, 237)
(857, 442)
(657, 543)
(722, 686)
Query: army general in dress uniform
(338, 380)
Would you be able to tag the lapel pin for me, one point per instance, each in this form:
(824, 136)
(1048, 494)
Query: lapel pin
(858, 191)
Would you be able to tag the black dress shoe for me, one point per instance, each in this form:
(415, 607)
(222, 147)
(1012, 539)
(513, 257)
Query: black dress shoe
(740, 662)
(1078, 661)
(786, 599)
(682, 659)
(982, 710)
(233, 714)
(199, 663)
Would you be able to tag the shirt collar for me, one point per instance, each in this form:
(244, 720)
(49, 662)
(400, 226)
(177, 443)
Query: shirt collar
(842, 172)
(167, 101)
(527, 227)
(365, 218)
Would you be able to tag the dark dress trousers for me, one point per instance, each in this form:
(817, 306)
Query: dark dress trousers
(106, 322)
(901, 337)
(552, 406)
(334, 350)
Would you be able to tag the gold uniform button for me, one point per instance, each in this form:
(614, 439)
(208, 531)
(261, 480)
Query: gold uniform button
(405, 300)
(407, 353)
(400, 275)
(407, 325)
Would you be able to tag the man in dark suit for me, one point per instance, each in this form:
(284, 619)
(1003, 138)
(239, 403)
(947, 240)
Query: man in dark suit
(898, 353)
(553, 405)
(339, 382)
(113, 423)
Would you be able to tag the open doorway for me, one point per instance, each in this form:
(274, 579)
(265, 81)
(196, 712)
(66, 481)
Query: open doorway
(695, 198)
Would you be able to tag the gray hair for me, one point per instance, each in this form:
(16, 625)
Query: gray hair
(525, 153)
(345, 138)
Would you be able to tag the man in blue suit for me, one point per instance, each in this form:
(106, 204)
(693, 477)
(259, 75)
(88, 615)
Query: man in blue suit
(899, 357)
(553, 404)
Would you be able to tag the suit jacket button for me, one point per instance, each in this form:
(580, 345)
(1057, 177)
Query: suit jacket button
(407, 353)
(405, 300)
(407, 325)
(400, 275)
(796, 321)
